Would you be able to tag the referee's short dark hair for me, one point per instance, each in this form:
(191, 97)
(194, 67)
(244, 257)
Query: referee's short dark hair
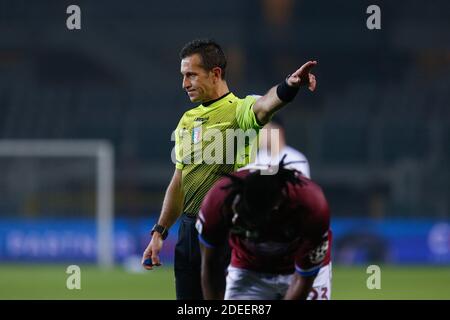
(210, 51)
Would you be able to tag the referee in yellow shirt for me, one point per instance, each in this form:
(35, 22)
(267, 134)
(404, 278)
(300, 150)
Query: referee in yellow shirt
(203, 66)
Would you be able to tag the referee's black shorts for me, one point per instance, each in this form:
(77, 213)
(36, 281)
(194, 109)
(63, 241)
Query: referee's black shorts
(187, 262)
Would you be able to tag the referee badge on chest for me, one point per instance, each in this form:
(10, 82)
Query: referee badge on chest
(197, 134)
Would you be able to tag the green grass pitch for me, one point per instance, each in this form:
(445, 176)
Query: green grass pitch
(49, 282)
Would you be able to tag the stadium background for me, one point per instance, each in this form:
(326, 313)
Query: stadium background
(376, 133)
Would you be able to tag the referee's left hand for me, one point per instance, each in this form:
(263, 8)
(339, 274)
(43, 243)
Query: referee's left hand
(303, 76)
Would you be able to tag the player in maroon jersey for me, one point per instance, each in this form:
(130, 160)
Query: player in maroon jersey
(278, 229)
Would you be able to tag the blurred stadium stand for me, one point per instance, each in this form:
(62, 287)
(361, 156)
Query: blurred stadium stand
(376, 131)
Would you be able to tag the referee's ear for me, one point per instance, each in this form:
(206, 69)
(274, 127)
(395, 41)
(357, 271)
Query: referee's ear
(217, 72)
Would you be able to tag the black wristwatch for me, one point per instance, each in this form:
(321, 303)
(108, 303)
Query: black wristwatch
(163, 231)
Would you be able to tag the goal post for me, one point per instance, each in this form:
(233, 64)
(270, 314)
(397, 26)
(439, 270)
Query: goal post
(103, 152)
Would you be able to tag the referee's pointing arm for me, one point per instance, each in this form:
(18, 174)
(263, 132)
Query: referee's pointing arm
(285, 92)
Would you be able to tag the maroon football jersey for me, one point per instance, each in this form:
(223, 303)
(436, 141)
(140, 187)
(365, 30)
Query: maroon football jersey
(306, 253)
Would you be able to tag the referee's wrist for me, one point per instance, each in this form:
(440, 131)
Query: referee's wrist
(286, 92)
(155, 234)
(162, 231)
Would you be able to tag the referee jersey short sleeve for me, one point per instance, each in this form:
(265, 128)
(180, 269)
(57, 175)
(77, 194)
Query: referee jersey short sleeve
(245, 115)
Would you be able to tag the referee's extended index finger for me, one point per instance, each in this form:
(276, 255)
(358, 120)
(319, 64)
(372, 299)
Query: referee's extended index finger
(305, 69)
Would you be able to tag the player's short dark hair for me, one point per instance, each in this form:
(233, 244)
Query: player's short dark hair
(210, 52)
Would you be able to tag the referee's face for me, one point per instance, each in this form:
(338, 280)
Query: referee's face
(198, 83)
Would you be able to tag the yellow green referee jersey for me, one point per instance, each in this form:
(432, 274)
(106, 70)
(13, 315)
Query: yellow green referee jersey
(211, 140)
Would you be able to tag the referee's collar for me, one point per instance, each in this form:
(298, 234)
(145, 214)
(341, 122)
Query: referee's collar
(210, 102)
